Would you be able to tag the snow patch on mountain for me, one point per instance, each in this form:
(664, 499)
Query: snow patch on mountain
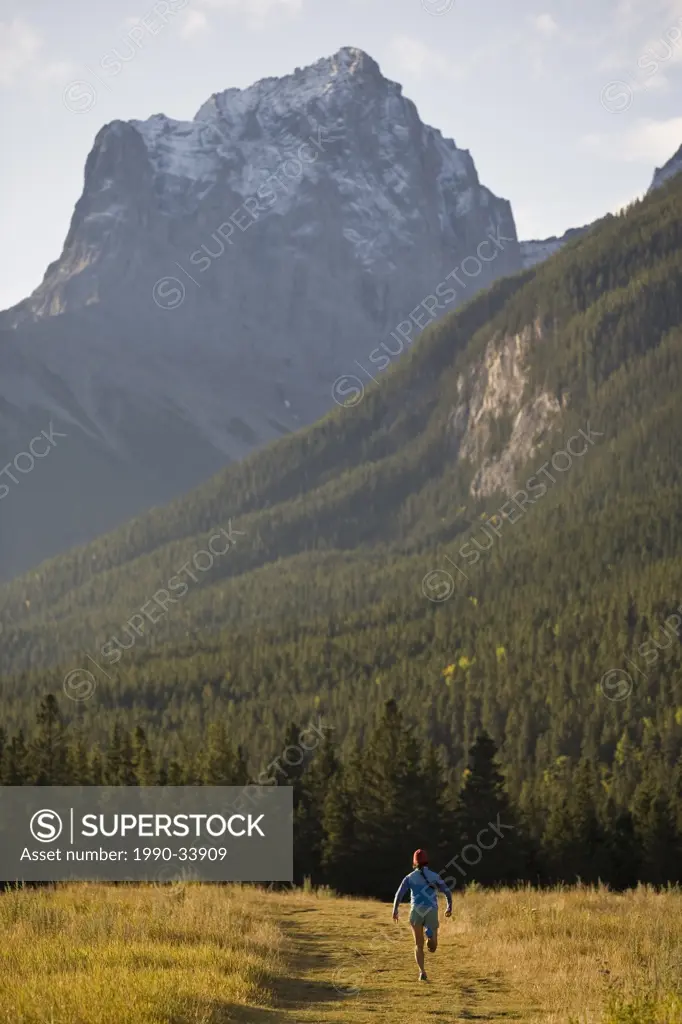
(291, 226)
(178, 149)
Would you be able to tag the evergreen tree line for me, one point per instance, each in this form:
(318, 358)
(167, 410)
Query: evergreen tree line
(358, 817)
(323, 608)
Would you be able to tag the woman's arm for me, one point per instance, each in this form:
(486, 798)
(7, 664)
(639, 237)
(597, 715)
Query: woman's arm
(446, 892)
(404, 886)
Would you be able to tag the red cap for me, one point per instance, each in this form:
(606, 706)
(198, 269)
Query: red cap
(420, 858)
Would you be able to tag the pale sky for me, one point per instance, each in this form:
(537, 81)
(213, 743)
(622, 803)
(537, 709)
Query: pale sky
(565, 105)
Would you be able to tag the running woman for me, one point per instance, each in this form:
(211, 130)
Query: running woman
(423, 884)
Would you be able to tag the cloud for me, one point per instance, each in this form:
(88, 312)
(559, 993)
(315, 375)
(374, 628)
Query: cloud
(646, 32)
(661, 50)
(56, 71)
(21, 57)
(194, 23)
(414, 58)
(648, 54)
(19, 47)
(653, 140)
(648, 142)
(545, 25)
(412, 55)
(256, 12)
(631, 14)
(637, 31)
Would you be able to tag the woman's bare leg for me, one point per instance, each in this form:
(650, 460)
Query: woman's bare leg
(433, 942)
(418, 932)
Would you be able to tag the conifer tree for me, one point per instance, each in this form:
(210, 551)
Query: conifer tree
(79, 762)
(240, 775)
(143, 765)
(16, 763)
(394, 806)
(96, 767)
(308, 820)
(48, 750)
(289, 763)
(223, 765)
(575, 838)
(119, 769)
(341, 860)
(655, 830)
(590, 861)
(176, 776)
(623, 857)
(484, 817)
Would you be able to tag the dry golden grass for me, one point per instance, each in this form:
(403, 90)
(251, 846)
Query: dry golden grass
(571, 952)
(133, 955)
(534, 957)
(208, 955)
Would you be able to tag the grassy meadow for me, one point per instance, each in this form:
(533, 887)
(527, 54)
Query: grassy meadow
(196, 954)
(134, 955)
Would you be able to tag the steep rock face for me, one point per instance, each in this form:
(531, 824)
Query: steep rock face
(323, 191)
(667, 171)
(537, 251)
(497, 425)
(220, 274)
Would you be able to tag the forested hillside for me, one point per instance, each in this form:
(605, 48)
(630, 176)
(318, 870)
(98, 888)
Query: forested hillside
(556, 629)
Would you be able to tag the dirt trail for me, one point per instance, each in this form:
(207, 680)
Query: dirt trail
(348, 962)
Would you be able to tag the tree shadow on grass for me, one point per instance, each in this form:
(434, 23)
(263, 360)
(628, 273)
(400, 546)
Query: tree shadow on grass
(231, 1013)
(305, 956)
(490, 1015)
(471, 992)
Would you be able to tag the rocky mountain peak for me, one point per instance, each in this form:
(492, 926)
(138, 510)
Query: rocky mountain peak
(222, 274)
(667, 171)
